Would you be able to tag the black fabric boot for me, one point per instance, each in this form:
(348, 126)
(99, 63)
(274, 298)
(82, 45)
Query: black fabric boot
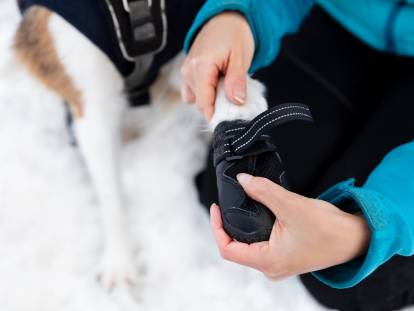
(243, 147)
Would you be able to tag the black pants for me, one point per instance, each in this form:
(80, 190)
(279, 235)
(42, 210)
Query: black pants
(363, 105)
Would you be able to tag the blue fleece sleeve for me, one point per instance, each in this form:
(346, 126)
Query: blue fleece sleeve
(269, 21)
(387, 202)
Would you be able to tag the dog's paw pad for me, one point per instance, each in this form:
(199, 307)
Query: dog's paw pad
(115, 270)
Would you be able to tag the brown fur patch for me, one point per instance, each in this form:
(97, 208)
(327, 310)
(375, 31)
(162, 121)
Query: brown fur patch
(163, 88)
(34, 47)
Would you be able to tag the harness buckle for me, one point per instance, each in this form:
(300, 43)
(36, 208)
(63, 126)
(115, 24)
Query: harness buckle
(141, 20)
(126, 4)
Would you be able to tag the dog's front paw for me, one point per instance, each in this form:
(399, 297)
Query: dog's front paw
(117, 269)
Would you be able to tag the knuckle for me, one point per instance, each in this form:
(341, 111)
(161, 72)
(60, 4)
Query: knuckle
(197, 68)
(271, 273)
(291, 200)
(267, 268)
(274, 267)
(184, 70)
(199, 108)
(271, 277)
(238, 77)
(224, 253)
(200, 63)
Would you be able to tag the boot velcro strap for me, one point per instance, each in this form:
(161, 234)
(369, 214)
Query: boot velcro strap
(236, 139)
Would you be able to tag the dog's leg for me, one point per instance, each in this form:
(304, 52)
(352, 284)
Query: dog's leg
(99, 137)
(73, 67)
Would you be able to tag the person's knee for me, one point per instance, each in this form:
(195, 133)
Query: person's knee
(338, 299)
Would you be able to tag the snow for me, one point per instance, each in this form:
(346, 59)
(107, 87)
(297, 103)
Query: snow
(50, 234)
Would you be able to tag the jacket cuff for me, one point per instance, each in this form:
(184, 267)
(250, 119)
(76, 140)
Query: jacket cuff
(386, 224)
(213, 8)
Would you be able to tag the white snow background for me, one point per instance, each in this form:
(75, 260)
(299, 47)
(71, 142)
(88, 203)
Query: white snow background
(50, 234)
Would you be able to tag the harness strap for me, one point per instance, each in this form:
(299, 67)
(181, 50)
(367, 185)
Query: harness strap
(141, 30)
(141, 26)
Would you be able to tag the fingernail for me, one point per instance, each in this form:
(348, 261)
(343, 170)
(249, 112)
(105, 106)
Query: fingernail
(244, 178)
(212, 214)
(239, 95)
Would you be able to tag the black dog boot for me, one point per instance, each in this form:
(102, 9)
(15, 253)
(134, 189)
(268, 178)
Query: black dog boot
(243, 147)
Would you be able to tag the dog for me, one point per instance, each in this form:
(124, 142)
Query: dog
(51, 49)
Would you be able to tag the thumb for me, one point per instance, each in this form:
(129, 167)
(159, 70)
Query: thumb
(235, 82)
(267, 192)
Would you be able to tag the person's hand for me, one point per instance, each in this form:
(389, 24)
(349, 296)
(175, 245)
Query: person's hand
(308, 234)
(224, 46)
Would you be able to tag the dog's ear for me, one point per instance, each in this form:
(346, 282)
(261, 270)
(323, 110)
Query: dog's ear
(225, 110)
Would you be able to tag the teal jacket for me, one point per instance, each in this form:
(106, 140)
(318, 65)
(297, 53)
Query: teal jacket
(387, 198)
(386, 25)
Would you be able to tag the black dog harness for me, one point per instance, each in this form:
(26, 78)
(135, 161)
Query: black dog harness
(129, 32)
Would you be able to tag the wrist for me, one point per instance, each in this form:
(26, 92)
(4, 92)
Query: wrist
(235, 21)
(353, 232)
(212, 11)
(357, 235)
(363, 236)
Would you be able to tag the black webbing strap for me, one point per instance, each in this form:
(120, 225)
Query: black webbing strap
(267, 120)
(245, 135)
(140, 26)
(141, 21)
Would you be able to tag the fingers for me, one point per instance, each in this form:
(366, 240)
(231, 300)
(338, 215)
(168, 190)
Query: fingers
(187, 95)
(222, 238)
(200, 81)
(224, 46)
(276, 198)
(253, 255)
(235, 84)
(263, 190)
(206, 94)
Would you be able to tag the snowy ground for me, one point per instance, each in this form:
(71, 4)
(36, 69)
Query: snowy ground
(50, 235)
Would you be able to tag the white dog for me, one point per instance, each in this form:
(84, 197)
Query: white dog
(51, 49)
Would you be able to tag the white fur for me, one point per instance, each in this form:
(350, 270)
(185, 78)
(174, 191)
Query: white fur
(98, 133)
(99, 137)
(225, 110)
